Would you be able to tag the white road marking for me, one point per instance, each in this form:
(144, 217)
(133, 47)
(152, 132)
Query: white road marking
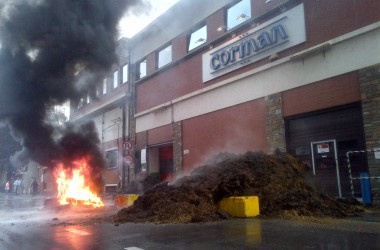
(77, 231)
(133, 248)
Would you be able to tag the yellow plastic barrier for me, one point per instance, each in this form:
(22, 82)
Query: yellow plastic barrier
(125, 200)
(241, 206)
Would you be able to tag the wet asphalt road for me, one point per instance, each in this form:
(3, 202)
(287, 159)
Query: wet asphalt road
(33, 227)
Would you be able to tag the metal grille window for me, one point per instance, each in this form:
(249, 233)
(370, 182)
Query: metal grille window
(198, 38)
(165, 56)
(111, 158)
(238, 13)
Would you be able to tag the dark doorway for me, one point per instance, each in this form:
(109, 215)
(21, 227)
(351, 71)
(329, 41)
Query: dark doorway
(166, 162)
(344, 125)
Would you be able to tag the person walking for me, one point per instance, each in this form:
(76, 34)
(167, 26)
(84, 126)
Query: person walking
(7, 187)
(17, 184)
(34, 187)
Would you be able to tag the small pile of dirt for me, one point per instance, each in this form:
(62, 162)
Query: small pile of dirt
(278, 180)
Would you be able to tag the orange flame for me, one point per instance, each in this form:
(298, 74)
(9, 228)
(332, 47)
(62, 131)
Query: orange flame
(72, 188)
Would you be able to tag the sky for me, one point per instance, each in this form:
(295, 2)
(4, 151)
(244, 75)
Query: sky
(131, 24)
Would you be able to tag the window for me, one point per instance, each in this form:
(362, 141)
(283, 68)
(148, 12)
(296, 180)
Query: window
(125, 73)
(198, 38)
(104, 86)
(165, 56)
(115, 79)
(238, 13)
(142, 69)
(111, 158)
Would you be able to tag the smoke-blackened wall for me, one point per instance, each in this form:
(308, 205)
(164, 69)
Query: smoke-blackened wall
(43, 45)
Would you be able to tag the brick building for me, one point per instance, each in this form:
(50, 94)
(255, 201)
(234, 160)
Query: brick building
(109, 109)
(256, 75)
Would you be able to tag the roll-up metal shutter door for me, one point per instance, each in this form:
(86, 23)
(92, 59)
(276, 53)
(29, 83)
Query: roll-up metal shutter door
(343, 124)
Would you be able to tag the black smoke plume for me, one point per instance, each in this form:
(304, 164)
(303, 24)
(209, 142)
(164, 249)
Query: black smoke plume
(43, 44)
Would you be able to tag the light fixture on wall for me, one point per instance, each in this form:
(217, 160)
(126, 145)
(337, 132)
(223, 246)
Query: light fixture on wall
(222, 28)
(273, 57)
(246, 17)
(255, 24)
(200, 40)
(242, 16)
(225, 28)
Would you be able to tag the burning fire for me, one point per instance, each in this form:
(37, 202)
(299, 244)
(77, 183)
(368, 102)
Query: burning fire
(72, 187)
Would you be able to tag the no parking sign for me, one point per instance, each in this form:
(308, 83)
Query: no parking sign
(129, 159)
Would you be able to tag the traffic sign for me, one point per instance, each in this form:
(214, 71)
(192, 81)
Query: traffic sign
(127, 145)
(129, 159)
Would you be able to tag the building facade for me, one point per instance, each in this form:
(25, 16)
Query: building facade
(299, 76)
(108, 107)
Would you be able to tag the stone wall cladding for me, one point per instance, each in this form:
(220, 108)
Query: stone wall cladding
(131, 105)
(274, 123)
(177, 147)
(369, 79)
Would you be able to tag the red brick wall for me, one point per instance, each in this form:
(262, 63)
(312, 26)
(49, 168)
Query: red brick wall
(260, 7)
(179, 47)
(213, 23)
(151, 63)
(174, 82)
(339, 90)
(236, 129)
(327, 19)
(160, 135)
(110, 176)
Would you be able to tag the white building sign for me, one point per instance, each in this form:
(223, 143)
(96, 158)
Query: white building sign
(277, 34)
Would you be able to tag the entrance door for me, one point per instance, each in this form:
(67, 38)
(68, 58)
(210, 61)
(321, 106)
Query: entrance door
(326, 166)
(166, 163)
